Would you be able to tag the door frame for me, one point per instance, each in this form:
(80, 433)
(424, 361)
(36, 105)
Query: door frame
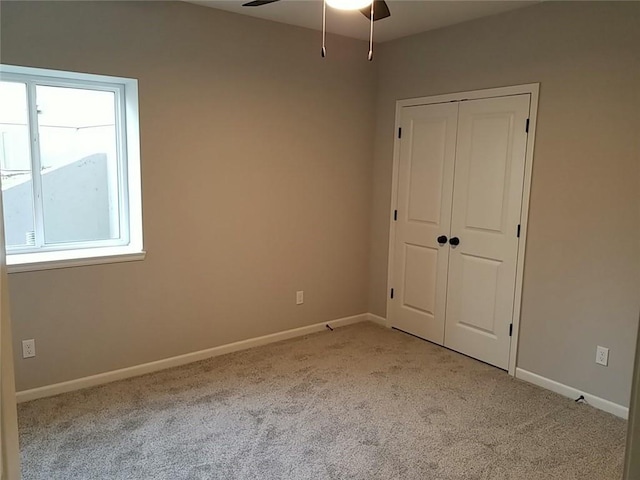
(9, 445)
(532, 89)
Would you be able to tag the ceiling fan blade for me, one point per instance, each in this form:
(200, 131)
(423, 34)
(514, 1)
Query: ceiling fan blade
(380, 10)
(258, 3)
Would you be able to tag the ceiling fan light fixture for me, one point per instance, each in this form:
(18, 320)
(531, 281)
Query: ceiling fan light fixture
(348, 4)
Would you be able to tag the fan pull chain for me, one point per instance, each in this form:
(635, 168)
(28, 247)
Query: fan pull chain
(323, 52)
(370, 56)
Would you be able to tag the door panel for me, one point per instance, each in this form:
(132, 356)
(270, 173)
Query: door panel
(425, 189)
(487, 199)
(488, 165)
(426, 169)
(421, 264)
(479, 288)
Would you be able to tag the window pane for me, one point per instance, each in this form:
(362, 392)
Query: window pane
(79, 164)
(15, 166)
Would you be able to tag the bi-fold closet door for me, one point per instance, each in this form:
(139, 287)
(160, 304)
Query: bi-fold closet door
(459, 198)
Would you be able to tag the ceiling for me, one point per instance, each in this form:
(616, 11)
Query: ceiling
(407, 16)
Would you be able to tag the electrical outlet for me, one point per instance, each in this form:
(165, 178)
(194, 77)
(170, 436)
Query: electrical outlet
(299, 297)
(28, 348)
(602, 356)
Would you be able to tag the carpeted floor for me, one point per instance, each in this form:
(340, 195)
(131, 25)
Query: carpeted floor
(361, 402)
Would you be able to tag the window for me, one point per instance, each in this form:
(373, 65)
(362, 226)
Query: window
(70, 168)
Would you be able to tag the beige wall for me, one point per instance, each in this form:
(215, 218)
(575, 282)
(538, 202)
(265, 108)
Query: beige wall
(581, 278)
(258, 179)
(256, 170)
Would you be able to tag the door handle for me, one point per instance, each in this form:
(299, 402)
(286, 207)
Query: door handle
(454, 241)
(442, 239)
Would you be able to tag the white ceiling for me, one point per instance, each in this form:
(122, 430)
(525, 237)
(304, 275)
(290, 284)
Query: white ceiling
(407, 16)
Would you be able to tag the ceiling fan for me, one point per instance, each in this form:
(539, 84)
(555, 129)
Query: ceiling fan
(372, 9)
(380, 7)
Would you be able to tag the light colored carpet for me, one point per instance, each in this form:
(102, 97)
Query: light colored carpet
(361, 402)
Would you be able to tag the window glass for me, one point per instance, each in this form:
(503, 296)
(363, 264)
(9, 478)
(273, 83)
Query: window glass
(15, 165)
(79, 164)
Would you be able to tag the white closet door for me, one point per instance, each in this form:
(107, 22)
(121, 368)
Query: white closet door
(425, 182)
(487, 200)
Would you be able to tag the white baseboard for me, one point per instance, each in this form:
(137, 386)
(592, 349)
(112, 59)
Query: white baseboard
(121, 374)
(114, 375)
(377, 319)
(565, 390)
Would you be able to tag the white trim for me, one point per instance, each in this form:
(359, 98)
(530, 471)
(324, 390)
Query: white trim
(524, 221)
(36, 165)
(470, 95)
(573, 393)
(378, 320)
(394, 204)
(121, 374)
(531, 89)
(72, 258)
(46, 74)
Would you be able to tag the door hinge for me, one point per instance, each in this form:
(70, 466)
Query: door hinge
(511, 329)
(395, 215)
(526, 128)
(392, 293)
(518, 234)
(400, 132)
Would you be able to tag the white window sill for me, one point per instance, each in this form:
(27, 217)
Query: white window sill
(30, 262)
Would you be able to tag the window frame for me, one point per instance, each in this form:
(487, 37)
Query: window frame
(129, 245)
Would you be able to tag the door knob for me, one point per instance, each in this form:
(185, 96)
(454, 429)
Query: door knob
(442, 239)
(454, 241)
